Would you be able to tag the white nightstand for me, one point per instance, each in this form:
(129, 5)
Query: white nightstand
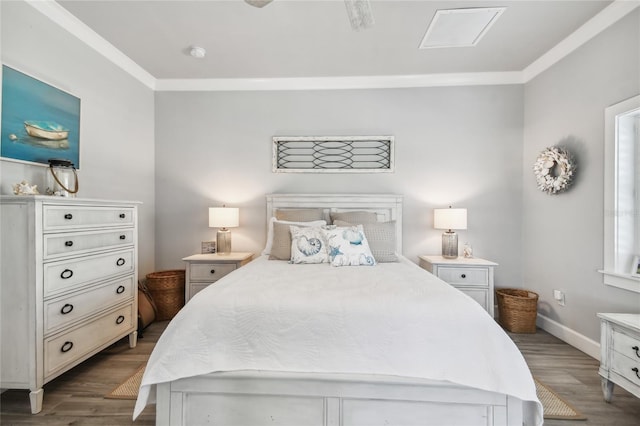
(473, 276)
(620, 353)
(205, 269)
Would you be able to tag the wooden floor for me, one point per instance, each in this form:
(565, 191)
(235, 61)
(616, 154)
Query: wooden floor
(77, 397)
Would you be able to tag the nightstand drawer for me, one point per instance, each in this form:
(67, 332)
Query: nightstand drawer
(210, 271)
(626, 345)
(464, 276)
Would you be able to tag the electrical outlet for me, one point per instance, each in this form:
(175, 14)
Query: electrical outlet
(559, 297)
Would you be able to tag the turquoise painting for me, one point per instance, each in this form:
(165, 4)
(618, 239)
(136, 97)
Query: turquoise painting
(39, 121)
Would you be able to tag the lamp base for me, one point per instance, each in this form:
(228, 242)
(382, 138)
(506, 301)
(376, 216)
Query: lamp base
(223, 241)
(449, 245)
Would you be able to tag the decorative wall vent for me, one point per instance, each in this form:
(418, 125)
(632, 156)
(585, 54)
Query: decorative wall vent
(333, 154)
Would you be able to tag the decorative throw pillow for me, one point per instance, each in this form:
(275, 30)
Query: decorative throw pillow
(300, 215)
(381, 237)
(281, 242)
(354, 217)
(348, 246)
(270, 232)
(308, 245)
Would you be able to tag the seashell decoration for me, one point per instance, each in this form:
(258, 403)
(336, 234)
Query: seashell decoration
(24, 188)
(550, 161)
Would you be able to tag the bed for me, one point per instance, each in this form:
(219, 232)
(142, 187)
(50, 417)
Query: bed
(312, 344)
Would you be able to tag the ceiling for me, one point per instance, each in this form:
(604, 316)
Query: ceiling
(307, 38)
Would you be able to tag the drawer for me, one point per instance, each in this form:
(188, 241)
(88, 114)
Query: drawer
(626, 345)
(626, 367)
(65, 275)
(66, 348)
(57, 245)
(63, 311)
(479, 295)
(464, 276)
(69, 217)
(210, 272)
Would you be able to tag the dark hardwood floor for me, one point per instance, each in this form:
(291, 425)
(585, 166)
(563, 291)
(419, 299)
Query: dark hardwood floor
(77, 397)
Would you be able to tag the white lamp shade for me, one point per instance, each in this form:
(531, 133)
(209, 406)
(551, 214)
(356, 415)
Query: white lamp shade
(450, 218)
(223, 217)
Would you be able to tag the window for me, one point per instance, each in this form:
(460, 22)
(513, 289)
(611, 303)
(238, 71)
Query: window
(622, 193)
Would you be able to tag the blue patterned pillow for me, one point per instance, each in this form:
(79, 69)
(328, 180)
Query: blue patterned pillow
(308, 245)
(348, 246)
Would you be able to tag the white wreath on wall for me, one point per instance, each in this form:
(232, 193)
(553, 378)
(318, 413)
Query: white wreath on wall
(554, 169)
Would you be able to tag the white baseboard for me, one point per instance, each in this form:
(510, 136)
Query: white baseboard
(572, 337)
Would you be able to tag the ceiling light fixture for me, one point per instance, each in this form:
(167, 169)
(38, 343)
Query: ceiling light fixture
(197, 52)
(360, 14)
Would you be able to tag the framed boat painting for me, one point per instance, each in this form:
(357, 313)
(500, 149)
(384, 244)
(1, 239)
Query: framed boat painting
(39, 121)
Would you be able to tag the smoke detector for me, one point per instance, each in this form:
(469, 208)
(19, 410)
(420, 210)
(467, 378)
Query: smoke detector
(197, 52)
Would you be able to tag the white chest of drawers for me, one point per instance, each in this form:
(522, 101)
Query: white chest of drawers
(473, 276)
(69, 285)
(205, 269)
(620, 353)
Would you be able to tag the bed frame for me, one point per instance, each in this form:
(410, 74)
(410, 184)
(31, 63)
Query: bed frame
(306, 399)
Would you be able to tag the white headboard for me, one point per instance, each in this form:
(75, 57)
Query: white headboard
(387, 206)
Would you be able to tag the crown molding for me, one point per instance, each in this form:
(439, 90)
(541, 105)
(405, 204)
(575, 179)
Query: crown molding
(608, 16)
(340, 83)
(84, 33)
(594, 26)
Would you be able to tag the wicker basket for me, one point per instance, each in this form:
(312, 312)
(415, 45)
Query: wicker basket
(167, 289)
(517, 310)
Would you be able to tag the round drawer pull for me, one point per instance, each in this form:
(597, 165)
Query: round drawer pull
(120, 319)
(123, 237)
(66, 274)
(120, 289)
(66, 347)
(635, 370)
(463, 276)
(120, 262)
(122, 216)
(68, 216)
(213, 271)
(637, 349)
(66, 309)
(68, 243)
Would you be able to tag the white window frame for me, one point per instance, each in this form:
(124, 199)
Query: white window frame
(617, 259)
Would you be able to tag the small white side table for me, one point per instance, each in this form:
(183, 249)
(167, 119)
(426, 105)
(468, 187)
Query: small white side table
(619, 353)
(205, 269)
(473, 276)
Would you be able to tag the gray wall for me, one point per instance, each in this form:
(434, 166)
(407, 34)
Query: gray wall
(116, 128)
(456, 145)
(563, 234)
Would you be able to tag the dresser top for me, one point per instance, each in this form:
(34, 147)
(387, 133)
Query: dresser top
(627, 320)
(459, 261)
(50, 199)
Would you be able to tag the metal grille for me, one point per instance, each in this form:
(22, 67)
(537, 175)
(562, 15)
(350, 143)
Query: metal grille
(337, 154)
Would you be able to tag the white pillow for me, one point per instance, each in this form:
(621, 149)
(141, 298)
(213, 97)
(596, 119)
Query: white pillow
(308, 245)
(269, 245)
(348, 246)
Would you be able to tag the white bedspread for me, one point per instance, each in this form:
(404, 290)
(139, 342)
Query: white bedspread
(391, 319)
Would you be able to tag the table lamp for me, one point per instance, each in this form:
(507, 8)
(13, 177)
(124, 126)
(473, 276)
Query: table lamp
(223, 218)
(450, 219)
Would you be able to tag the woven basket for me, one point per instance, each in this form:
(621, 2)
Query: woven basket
(517, 310)
(167, 289)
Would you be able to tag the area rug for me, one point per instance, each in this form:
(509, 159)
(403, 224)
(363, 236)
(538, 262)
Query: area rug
(554, 406)
(129, 388)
